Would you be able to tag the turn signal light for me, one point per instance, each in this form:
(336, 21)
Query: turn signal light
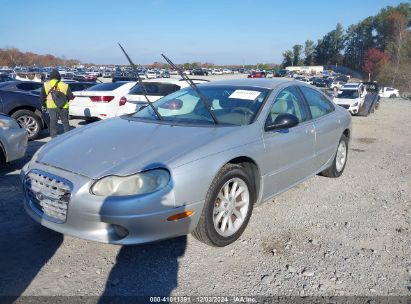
(180, 216)
(101, 98)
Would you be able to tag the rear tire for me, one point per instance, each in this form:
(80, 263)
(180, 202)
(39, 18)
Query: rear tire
(225, 215)
(30, 121)
(393, 96)
(340, 159)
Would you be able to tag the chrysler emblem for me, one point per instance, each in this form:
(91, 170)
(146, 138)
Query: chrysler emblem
(39, 196)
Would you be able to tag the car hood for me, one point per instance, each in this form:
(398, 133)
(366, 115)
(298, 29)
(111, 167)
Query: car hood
(120, 146)
(346, 101)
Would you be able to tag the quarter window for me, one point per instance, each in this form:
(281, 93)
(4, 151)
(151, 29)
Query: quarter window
(288, 101)
(318, 103)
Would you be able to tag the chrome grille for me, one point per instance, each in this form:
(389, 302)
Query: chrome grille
(48, 195)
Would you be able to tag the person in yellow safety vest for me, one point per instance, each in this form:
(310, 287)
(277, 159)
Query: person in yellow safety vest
(56, 110)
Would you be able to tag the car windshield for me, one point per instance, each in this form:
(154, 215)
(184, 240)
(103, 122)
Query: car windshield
(351, 94)
(231, 105)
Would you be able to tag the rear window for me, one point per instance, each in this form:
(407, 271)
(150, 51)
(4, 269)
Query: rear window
(155, 89)
(110, 86)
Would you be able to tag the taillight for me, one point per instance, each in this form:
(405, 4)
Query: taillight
(122, 101)
(101, 98)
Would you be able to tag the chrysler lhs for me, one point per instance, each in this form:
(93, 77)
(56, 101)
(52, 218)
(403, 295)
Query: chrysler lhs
(190, 166)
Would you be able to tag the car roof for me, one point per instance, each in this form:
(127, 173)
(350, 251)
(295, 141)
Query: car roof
(250, 82)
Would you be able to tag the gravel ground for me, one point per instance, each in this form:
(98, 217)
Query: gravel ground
(346, 236)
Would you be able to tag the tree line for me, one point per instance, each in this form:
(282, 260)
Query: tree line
(379, 47)
(12, 57)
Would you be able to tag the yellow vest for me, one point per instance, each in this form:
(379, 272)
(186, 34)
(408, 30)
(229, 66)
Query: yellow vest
(62, 87)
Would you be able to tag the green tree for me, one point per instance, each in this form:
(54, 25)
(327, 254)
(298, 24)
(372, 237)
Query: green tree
(297, 50)
(309, 49)
(288, 57)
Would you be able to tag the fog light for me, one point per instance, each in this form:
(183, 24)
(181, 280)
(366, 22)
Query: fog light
(120, 231)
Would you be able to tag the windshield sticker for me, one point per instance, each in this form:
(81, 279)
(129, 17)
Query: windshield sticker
(245, 94)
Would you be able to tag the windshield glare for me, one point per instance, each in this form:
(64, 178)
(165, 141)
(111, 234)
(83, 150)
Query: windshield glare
(232, 105)
(352, 94)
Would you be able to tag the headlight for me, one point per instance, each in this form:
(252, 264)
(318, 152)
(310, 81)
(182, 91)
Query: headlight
(140, 183)
(8, 123)
(355, 104)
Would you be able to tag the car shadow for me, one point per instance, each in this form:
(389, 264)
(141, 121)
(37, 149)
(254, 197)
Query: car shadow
(145, 270)
(25, 245)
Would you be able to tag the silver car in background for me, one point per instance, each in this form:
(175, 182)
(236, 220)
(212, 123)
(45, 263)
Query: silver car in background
(13, 139)
(141, 178)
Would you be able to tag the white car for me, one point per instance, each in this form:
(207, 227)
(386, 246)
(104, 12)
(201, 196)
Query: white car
(350, 98)
(227, 71)
(155, 90)
(388, 92)
(336, 85)
(151, 74)
(100, 101)
(217, 72)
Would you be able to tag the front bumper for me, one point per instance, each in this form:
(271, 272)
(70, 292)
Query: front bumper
(352, 109)
(97, 112)
(14, 143)
(95, 218)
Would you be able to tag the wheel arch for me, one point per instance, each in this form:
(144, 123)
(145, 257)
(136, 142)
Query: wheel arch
(3, 154)
(347, 133)
(29, 108)
(251, 167)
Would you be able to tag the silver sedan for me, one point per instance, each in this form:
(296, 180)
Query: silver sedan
(197, 165)
(13, 139)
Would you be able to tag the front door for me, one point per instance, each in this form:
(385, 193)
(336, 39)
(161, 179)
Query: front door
(288, 153)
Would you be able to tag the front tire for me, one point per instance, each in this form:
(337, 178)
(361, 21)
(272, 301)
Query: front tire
(340, 159)
(393, 96)
(228, 207)
(30, 121)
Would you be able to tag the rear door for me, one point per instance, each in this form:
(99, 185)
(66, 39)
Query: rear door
(327, 125)
(289, 153)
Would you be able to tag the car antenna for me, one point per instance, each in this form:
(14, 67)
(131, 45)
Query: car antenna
(141, 83)
(203, 98)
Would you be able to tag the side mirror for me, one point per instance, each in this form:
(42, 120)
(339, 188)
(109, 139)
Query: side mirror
(283, 121)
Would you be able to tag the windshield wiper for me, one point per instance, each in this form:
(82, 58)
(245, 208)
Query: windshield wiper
(203, 98)
(140, 82)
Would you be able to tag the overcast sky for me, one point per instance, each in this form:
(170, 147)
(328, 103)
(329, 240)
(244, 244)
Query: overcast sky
(216, 31)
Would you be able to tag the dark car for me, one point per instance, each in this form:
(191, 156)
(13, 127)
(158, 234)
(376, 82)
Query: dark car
(201, 72)
(342, 78)
(20, 86)
(256, 75)
(18, 99)
(320, 82)
(4, 78)
(124, 78)
(281, 73)
(74, 87)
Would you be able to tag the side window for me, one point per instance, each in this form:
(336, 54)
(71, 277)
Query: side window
(28, 86)
(318, 103)
(288, 101)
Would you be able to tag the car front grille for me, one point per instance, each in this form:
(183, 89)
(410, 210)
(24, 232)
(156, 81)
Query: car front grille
(345, 106)
(48, 195)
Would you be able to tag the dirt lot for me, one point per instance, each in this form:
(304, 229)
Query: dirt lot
(346, 236)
